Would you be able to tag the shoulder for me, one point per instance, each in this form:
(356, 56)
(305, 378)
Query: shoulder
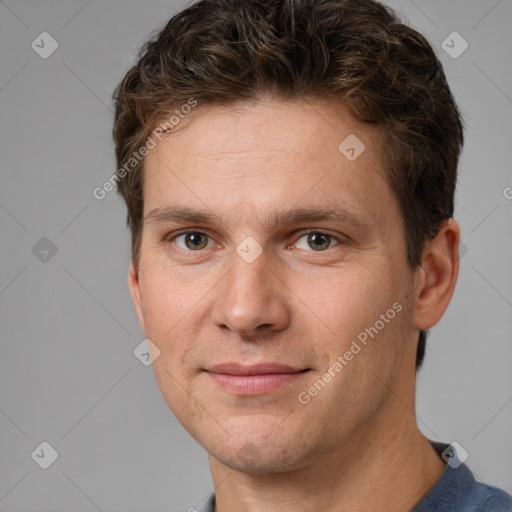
(458, 491)
(492, 499)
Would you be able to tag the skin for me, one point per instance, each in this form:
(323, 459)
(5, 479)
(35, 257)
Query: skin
(356, 444)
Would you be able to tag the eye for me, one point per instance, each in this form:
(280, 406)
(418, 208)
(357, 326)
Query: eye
(317, 240)
(192, 240)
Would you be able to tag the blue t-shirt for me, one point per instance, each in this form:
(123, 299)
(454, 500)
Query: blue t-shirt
(455, 491)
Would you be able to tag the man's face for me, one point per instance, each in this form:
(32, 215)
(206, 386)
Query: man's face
(256, 285)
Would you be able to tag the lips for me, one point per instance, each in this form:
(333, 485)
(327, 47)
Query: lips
(257, 369)
(256, 379)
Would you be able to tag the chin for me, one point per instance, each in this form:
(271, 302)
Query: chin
(252, 460)
(253, 451)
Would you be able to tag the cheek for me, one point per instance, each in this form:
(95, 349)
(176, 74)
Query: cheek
(167, 306)
(170, 310)
(348, 301)
(363, 314)
(166, 296)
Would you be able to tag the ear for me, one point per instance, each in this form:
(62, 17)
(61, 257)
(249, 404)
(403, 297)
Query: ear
(134, 285)
(436, 278)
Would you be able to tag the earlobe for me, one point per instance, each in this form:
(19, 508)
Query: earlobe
(437, 277)
(134, 285)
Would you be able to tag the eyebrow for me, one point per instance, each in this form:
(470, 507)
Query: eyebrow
(335, 213)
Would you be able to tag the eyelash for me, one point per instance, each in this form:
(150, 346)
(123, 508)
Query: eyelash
(339, 240)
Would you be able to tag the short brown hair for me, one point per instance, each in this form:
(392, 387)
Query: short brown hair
(358, 51)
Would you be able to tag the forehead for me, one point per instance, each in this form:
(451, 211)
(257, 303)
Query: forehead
(304, 126)
(250, 158)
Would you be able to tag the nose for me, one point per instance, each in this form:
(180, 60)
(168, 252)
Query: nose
(251, 299)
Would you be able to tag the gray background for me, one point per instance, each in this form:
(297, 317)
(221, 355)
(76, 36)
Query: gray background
(68, 374)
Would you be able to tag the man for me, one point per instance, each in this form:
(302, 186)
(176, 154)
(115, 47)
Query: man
(289, 170)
